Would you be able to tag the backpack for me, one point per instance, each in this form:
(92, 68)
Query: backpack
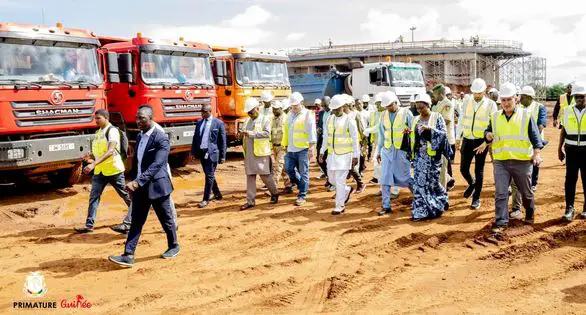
(123, 142)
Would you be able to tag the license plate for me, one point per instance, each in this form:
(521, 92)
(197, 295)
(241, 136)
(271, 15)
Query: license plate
(61, 147)
(188, 133)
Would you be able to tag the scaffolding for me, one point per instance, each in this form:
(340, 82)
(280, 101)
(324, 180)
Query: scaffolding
(526, 71)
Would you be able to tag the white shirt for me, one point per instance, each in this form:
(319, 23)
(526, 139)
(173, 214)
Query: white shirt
(163, 130)
(144, 139)
(344, 161)
(364, 117)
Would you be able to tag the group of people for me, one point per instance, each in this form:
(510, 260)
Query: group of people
(410, 147)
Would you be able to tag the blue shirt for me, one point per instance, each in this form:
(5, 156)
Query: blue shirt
(542, 116)
(205, 137)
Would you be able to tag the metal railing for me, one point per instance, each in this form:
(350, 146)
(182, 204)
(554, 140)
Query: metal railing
(406, 46)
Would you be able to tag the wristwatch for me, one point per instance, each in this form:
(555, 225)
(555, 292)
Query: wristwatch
(134, 185)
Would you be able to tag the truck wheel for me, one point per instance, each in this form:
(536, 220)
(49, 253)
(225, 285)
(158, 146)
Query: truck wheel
(179, 159)
(66, 177)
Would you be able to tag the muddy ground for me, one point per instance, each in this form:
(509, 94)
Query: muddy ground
(288, 259)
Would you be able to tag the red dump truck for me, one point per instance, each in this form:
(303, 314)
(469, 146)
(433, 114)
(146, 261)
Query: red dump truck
(173, 77)
(51, 84)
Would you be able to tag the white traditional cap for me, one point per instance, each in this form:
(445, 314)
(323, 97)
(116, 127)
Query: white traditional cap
(266, 96)
(250, 104)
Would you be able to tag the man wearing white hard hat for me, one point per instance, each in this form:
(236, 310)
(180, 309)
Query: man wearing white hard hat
(300, 138)
(266, 98)
(278, 152)
(372, 133)
(445, 107)
(341, 142)
(476, 111)
(353, 114)
(516, 144)
(573, 135)
(257, 153)
(430, 147)
(565, 100)
(393, 148)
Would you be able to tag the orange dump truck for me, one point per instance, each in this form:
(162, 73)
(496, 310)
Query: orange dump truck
(51, 84)
(241, 73)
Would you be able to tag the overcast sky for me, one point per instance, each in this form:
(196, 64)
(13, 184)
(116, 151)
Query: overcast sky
(554, 30)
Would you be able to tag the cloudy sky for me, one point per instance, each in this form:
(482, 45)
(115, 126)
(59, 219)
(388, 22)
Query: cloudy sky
(554, 30)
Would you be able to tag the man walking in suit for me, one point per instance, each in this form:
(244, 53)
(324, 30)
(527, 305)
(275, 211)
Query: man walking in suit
(209, 146)
(151, 186)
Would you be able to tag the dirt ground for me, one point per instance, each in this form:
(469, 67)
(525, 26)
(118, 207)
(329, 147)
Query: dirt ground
(288, 259)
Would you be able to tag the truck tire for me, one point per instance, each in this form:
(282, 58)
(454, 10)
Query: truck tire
(66, 177)
(179, 159)
(348, 85)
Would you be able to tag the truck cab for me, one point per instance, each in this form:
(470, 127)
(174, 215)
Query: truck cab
(404, 79)
(173, 77)
(51, 84)
(242, 73)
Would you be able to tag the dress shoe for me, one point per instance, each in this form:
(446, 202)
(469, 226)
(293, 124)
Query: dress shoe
(331, 188)
(529, 221)
(322, 176)
(274, 199)
(217, 197)
(246, 206)
(123, 260)
(83, 230)
(338, 211)
(450, 185)
(171, 252)
(121, 228)
(373, 181)
(583, 215)
(469, 191)
(288, 190)
(475, 204)
(384, 211)
(204, 204)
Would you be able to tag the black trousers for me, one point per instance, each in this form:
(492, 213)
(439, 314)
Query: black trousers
(575, 161)
(467, 154)
(209, 169)
(141, 204)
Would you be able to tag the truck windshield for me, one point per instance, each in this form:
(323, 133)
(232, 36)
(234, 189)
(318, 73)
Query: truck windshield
(187, 70)
(261, 72)
(46, 64)
(406, 77)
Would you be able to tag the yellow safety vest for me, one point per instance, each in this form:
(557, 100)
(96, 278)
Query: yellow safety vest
(300, 136)
(339, 139)
(564, 101)
(475, 122)
(112, 165)
(575, 127)
(432, 123)
(394, 129)
(511, 138)
(375, 118)
(261, 147)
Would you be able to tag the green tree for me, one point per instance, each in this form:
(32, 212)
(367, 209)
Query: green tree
(554, 91)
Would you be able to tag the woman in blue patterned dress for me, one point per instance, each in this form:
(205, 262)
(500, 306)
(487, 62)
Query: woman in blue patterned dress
(429, 142)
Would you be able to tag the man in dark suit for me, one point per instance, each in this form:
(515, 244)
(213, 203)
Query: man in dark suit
(151, 187)
(322, 119)
(209, 146)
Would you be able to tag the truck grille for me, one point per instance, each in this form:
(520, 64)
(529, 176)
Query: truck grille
(42, 113)
(178, 107)
(404, 99)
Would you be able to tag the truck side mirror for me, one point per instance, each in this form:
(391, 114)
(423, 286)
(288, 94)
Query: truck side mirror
(112, 67)
(125, 68)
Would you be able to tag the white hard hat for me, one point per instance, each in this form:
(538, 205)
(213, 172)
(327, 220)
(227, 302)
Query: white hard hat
(508, 90)
(528, 90)
(478, 86)
(317, 101)
(365, 98)
(266, 96)
(388, 98)
(349, 99)
(250, 104)
(423, 97)
(378, 97)
(493, 90)
(448, 90)
(277, 104)
(337, 101)
(285, 104)
(578, 88)
(296, 98)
